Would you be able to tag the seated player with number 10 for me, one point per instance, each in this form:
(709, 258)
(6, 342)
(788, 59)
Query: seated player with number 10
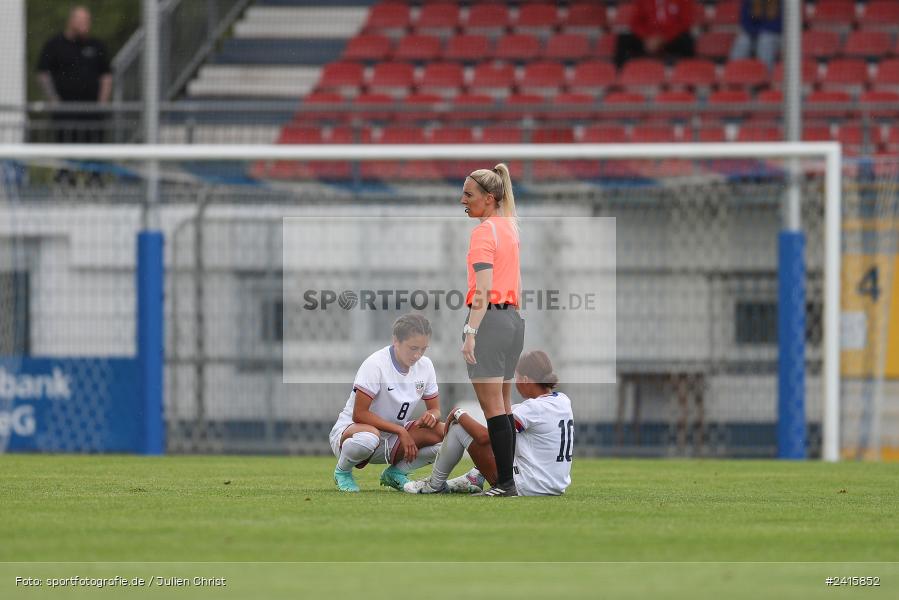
(543, 444)
(375, 425)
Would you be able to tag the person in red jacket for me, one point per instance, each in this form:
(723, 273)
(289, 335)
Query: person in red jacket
(658, 28)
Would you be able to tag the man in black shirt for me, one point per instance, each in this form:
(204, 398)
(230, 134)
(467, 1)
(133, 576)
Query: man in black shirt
(74, 67)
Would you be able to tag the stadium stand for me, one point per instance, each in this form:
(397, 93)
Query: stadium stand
(455, 66)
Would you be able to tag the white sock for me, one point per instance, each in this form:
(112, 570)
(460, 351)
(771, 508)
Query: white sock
(425, 456)
(451, 451)
(357, 449)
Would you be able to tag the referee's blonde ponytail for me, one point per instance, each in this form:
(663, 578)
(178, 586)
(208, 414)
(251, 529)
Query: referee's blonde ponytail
(498, 181)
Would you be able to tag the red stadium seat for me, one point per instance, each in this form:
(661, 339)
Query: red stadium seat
(653, 134)
(693, 73)
(715, 45)
(318, 107)
(881, 14)
(391, 18)
(344, 78)
(604, 134)
(440, 19)
(879, 104)
(568, 46)
(820, 44)
(419, 48)
(809, 69)
(585, 17)
(815, 100)
(300, 134)
(816, 132)
(711, 134)
(622, 20)
(419, 107)
(728, 103)
(748, 73)
(394, 78)
(887, 74)
(501, 135)
(671, 103)
(725, 16)
(762, 131)
(487, 19)
(472, 107)
(852, 137)
(444, 78)
(518, 47)
(542, 77)
(593, 77)
(452, 135)
(523, 106)
(368, 48)
(868, 44)
(642, 73)
(492, 79)
(624, 105)
(402, 135)
(845, 74)
(553, 135)
(374, 107)
(537, 18)
(892, 141)
(467, 48)
(770, 102)
(833, 14)
(605, 47)
(572, 106)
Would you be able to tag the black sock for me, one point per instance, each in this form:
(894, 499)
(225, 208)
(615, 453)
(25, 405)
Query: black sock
(514, 435)
(501, 441)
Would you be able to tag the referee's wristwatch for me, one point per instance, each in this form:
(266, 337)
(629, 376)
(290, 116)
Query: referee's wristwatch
(469, 329)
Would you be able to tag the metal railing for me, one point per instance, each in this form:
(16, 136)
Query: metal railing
(240, 121)
(188, 31)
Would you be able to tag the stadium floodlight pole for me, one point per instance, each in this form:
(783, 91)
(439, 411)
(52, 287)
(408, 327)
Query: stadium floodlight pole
(150, 259)
(151, 108)
(791, 277)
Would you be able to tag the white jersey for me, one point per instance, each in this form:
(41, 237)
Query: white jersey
(544, 444)
(395, 393)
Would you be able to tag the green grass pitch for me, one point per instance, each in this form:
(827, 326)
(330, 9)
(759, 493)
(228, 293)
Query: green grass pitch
(626, 528)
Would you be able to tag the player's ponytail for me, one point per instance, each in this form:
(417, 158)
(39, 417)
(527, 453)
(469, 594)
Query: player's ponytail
(507, 203)
(536, 366)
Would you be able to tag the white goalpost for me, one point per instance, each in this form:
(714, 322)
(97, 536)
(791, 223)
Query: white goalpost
(825, 154)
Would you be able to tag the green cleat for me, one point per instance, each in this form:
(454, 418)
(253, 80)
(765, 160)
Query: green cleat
(393, 477)
(345, 481)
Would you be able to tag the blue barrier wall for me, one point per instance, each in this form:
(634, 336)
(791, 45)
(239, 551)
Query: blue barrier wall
(70, 405)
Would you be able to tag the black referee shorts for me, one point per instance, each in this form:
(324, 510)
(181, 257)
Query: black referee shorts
(498, 344)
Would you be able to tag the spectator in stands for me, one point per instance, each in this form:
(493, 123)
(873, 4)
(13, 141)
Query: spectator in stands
(74, 67)
(658, 28)
(761, 21)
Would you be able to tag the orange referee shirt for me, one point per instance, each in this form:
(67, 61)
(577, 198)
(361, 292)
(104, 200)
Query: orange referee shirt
(495, 243)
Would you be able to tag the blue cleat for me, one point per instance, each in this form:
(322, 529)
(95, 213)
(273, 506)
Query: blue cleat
(393, 477)
(345, 481)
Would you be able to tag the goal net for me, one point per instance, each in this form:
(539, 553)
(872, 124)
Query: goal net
(678, 246)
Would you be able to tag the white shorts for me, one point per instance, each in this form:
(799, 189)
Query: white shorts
(384, 454)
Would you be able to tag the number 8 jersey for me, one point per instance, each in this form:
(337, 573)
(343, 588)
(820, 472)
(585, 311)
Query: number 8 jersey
(544, 443)
(395, 393)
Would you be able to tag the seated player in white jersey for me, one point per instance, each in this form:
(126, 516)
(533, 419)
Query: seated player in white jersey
(375, 425)
(544, 440)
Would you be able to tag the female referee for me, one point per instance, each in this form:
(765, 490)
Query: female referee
(493, 335)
